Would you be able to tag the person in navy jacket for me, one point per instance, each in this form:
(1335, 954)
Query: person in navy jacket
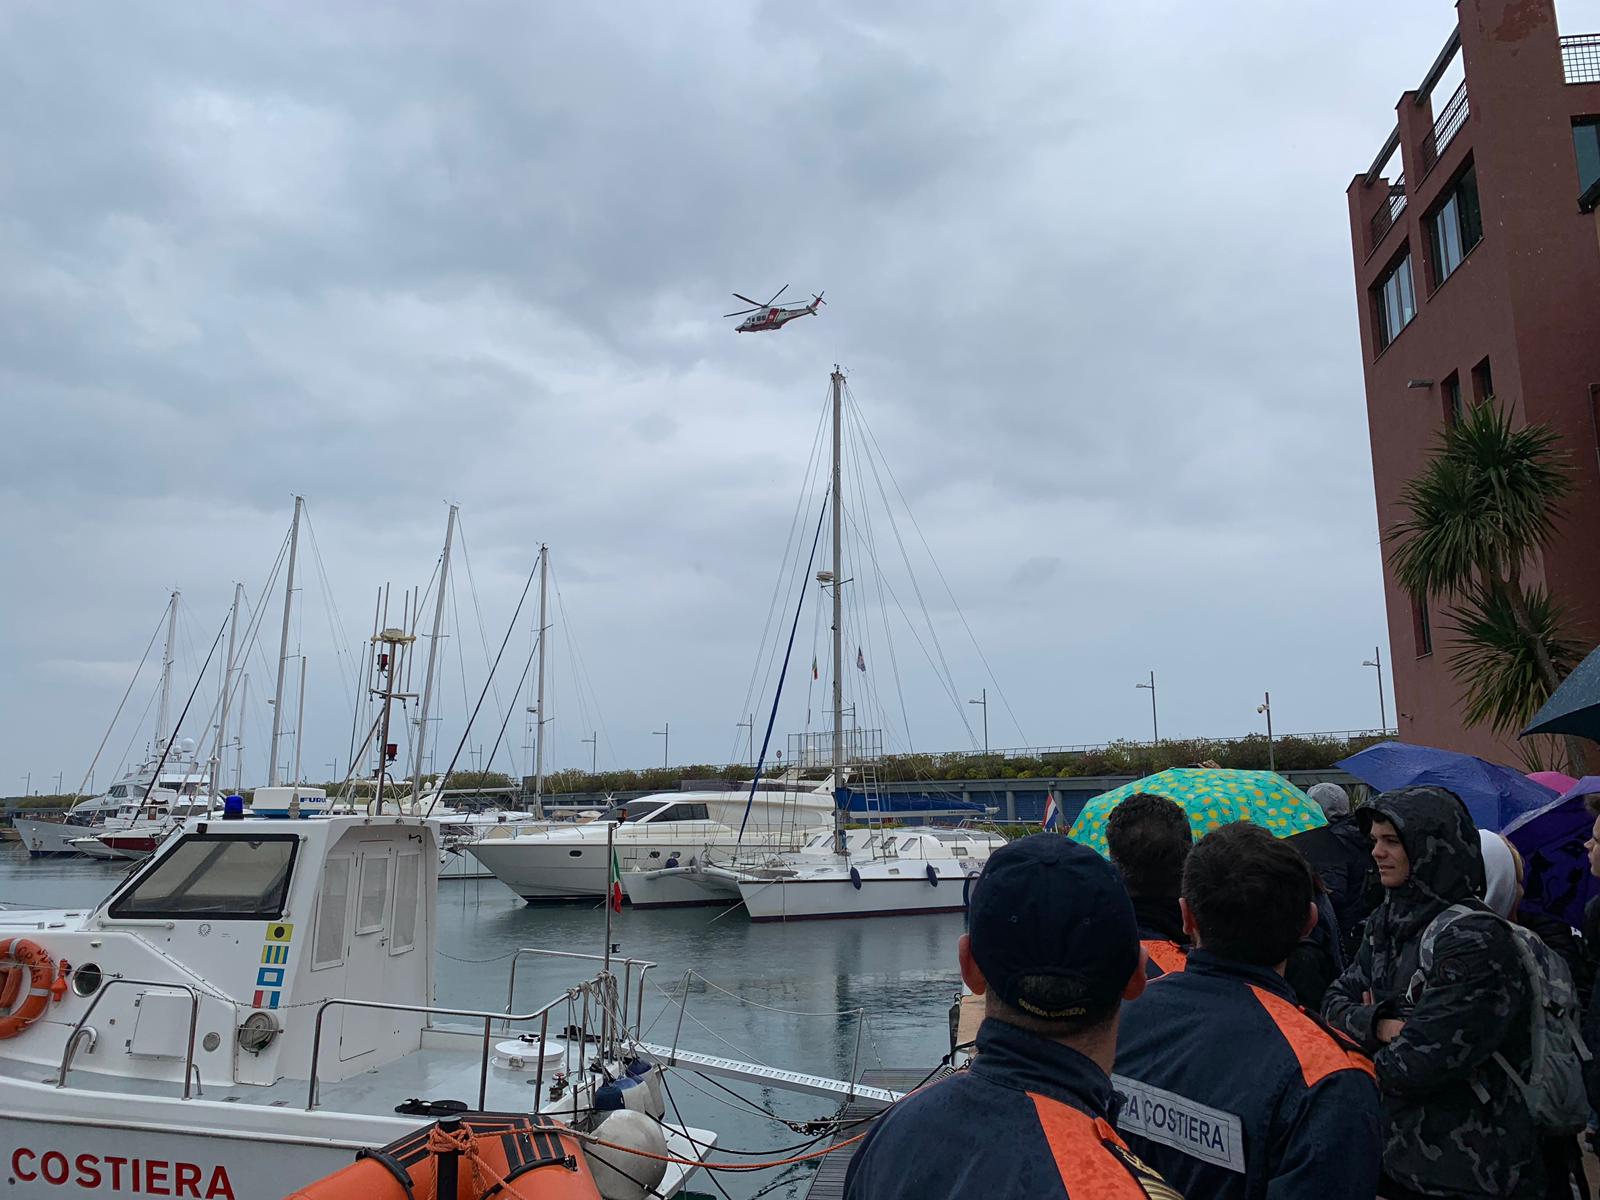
(1053, 948)
(1229, 1088)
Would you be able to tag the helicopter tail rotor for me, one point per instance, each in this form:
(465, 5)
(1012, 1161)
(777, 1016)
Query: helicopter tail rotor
(816, 300)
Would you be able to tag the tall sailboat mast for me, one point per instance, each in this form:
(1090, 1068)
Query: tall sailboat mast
(538, 703)
(219, 750)
(433, 658)
(238, 766)
(838, 621)
(283, 646)
(164, 709)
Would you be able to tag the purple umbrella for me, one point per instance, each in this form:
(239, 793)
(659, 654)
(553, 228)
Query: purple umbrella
(1494, 795)
(1557, 879)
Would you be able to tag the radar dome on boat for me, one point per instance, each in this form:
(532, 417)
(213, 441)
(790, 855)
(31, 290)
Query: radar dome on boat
(185, 745)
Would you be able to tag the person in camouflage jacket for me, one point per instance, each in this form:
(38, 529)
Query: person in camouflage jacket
(1454, 1124)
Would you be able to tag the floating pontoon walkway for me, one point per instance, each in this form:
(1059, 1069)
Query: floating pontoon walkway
(828, 1182)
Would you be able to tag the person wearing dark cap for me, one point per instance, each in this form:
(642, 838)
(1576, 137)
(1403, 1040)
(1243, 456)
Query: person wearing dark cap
(1053, 948)
(1229, 1088)
(1443, 1036)
(1149, 839)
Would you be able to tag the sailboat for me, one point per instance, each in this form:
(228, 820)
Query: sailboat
(837, 872)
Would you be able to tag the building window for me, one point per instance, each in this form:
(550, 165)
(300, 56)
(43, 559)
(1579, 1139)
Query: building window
(1451, 391)
(1586, 144)
(1482, 383)
(1456, 226)
(1396, 301)
(1421, 629)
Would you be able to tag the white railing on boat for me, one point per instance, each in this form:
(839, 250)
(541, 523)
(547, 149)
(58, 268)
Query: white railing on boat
(79, 1028)
(601, 991)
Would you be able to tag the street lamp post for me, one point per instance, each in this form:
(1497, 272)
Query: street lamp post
(593, 742)
(1155, 729)
(983, 700)
(1266, 707)
(665, 734)
(751, 726)
(1376, 663)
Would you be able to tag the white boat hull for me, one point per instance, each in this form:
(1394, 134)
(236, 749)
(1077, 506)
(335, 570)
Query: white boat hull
(679, 888)
(560, 868)
(44, 839)
(51, 1158)
(829, 892)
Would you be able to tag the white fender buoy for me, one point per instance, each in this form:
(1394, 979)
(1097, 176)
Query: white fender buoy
(620, 1174)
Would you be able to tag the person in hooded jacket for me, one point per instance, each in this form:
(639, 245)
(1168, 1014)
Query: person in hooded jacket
(1341, 855)
(1149, 839)
(1454, 1125)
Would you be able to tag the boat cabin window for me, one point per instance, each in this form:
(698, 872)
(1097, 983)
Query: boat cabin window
(327, 946)
(682, 812)
(222, 877)
(119, 791)
(374, 893)
(634, 810)
(407, 887)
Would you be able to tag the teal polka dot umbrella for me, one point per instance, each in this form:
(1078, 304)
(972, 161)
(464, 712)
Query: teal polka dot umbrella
(1211, 796)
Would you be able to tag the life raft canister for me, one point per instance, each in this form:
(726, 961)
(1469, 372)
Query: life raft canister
(19, 959)
(533, 1154)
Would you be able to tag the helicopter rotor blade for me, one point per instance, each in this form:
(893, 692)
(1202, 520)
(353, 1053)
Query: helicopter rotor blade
(747, 300)
(740, 313)
(775, 296)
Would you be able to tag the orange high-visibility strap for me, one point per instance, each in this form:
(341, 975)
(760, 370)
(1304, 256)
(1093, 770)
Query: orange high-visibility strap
(1169, 956)
(1080, 1145)
(1319, 1052)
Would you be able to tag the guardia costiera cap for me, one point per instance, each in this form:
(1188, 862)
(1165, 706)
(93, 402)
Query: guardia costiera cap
(1052, 927)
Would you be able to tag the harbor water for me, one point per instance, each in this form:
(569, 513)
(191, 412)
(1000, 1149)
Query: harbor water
(783, 995)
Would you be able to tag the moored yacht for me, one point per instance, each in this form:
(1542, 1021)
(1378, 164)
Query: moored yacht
(569, 862)
(162, 788)
(264, 990)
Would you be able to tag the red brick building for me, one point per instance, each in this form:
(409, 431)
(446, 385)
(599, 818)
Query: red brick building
(1478, 274)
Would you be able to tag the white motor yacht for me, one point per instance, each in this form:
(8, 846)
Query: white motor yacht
(244, 1013)
(161, 789)
(569, 862)
(884, 872)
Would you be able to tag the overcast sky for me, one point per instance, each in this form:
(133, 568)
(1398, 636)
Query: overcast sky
(1088, 271)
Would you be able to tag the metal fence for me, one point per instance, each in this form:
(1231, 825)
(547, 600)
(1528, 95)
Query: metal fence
(814, 751)
(1580, 58)
(1445, 127)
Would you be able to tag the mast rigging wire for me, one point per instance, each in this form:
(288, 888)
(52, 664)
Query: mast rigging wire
(778, 694)
(144, 658)
(467, 732)
(948, 591)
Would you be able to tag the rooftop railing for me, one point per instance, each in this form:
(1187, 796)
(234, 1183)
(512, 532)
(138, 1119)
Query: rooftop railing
(1393, 205)
(1580, 58)
(1449, 122)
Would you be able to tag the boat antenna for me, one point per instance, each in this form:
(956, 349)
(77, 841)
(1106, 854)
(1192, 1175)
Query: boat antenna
(389, 664)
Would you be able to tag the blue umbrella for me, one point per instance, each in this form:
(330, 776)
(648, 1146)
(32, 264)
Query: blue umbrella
(1574, 707)
(1556, 877)
(1494, 795)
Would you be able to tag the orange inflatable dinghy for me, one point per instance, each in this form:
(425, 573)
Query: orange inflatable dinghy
(467, 1158)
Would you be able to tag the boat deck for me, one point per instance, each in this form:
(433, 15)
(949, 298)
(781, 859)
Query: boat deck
(828, 1182)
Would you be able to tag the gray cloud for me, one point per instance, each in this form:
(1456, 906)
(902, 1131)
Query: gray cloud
(1089, 274)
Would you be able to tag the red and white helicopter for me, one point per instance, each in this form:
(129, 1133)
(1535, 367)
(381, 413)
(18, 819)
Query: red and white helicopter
(763, 318)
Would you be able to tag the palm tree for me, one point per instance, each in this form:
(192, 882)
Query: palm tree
(1484, 504)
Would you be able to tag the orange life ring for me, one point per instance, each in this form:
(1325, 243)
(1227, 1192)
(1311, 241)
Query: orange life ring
(18, 955)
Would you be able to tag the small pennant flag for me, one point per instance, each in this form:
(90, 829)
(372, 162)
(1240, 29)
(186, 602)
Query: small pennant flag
(615, 890)
(813, 666)
(1052, 813)
(861, 660)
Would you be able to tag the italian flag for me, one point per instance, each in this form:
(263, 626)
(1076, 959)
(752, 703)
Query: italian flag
(615, 890)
